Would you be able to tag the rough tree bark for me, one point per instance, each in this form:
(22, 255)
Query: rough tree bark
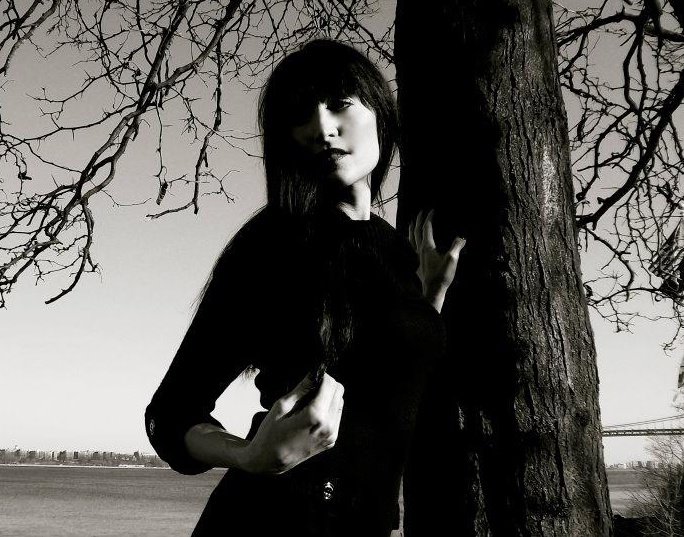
(511, 439)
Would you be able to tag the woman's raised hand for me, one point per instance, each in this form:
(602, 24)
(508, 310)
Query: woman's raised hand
(292, 433)
(436, 270)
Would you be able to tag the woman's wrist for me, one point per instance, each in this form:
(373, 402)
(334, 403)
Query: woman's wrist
(256, 460)
(248, 459)
(435, 295)
(212, 445)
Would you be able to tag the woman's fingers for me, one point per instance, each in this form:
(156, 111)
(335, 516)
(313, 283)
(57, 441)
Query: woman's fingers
(451, 260)
(336, 399)
(417, 230)
(324, 412)
(456, 246)
(422, 233)
(300, 425)
(428, 237)
(335, 415)
(421, 230)
(288, 401)
(417, 234)
(320, 404)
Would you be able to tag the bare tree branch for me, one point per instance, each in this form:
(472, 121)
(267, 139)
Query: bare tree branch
(144, 63)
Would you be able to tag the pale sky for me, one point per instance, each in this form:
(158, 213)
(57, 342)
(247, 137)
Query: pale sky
(78, 374)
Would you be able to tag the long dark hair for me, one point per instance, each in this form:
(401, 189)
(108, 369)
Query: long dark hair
(319, 71)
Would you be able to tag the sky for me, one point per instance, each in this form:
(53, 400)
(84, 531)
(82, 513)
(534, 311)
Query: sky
(77, 374)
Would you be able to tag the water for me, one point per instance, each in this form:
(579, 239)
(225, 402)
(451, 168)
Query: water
(53, 501)
(623, 485)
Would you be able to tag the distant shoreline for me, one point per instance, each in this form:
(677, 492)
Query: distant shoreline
(122, 466)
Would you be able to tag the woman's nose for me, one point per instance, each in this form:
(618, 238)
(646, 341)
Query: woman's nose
(322, 124)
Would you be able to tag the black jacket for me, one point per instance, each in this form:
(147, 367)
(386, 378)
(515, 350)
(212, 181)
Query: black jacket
(260, 310)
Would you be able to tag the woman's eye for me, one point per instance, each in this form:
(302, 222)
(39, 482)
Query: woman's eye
(339, 104)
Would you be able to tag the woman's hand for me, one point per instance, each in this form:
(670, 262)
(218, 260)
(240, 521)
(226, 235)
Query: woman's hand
(436, 271)
(291, 434)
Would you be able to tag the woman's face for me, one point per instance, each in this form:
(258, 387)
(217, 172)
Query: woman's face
(340, 135)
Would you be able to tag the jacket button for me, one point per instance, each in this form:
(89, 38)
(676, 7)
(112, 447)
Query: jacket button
(328, 490)
(151, 427)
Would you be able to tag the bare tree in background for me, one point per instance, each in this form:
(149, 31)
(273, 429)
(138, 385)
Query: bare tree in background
(164, 67)
(622, 68)
(148, 63)
(659, 503)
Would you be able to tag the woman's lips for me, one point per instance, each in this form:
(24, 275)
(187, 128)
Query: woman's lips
(334, 153)
(336, 156)
(330, 157)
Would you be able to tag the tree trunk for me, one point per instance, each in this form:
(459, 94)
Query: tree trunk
(510, 440)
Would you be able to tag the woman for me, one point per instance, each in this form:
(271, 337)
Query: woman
(322, 297)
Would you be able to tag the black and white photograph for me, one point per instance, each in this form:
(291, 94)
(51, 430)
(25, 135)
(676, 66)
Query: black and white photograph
(342, 268)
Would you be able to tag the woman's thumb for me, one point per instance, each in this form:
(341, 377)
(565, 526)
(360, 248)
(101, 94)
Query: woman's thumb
(298, 394)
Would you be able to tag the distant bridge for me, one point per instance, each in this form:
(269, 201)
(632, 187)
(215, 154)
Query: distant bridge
(669, 426)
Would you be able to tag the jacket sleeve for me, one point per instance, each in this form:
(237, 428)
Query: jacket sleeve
(217, 347)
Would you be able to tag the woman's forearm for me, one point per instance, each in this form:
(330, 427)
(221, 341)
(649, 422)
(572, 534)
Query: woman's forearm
(212, 445)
